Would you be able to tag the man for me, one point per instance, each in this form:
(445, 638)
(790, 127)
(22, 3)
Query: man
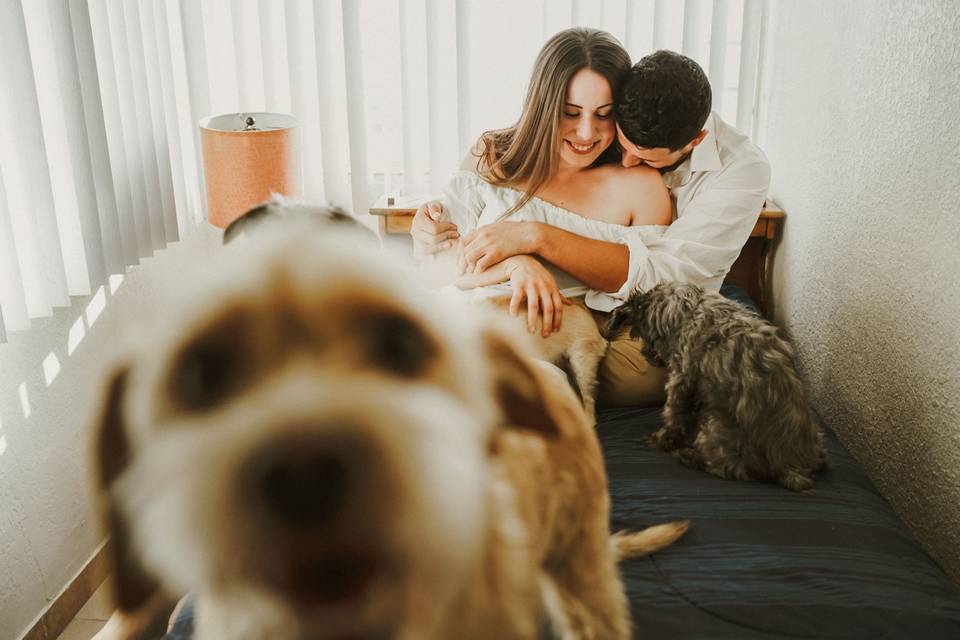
(718, 181)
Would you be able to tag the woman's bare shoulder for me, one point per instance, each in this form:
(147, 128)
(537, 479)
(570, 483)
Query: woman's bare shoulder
(634, 179)
(647, 194)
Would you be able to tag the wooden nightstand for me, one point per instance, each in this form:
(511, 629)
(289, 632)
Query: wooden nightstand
(752, 270)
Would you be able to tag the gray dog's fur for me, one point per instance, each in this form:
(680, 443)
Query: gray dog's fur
(735, 404)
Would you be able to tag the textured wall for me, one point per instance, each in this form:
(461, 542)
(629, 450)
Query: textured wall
(46, 529)
(862, 111)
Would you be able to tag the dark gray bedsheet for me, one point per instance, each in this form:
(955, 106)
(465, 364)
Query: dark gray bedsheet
(760, 561)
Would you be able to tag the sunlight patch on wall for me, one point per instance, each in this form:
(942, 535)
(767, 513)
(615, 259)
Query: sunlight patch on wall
(24, 399)
(51, 368)
(3, 445)
(77, 332)
(115, 281)
(96, 305)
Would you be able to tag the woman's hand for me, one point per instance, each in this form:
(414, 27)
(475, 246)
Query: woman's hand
(493, 243)
(430, 233)
(532, 282)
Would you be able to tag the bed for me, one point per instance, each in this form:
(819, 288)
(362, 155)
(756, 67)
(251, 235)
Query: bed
(761, 561)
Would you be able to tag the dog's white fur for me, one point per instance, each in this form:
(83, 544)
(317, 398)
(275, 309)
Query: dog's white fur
(477, 490)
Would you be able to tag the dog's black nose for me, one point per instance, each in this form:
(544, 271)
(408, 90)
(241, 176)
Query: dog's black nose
(303, 485)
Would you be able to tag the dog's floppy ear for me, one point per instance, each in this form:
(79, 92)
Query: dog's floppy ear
(526, 394)
(134, 588)
(620, 316)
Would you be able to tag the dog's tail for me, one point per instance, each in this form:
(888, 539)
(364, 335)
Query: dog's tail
(626, 545)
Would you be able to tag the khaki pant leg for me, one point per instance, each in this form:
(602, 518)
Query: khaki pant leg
(625, 378)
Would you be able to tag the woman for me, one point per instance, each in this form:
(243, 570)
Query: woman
(556, 172)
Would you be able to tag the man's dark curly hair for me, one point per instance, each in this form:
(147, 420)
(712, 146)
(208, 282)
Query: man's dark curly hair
(664, 101)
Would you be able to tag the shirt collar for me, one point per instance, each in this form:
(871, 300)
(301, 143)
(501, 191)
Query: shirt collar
(705, 156)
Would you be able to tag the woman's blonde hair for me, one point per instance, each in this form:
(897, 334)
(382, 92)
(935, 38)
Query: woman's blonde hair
(527, 154)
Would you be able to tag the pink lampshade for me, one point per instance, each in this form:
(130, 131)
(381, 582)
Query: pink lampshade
(246, 158)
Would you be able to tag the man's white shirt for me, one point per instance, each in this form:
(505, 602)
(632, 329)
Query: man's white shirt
(717, 194)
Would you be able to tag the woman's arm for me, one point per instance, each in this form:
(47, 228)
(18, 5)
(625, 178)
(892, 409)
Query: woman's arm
(531, 282)
(599, 264)
(497, 274)
(603, 265)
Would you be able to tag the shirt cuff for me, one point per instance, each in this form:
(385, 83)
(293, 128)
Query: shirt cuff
(639, 259)
(606, 302)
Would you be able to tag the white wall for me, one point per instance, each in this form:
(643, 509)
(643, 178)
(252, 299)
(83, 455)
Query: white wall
(46, 529)
(862, 109)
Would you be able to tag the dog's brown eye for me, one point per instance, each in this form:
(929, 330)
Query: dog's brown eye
(397, 344)
(203, 377)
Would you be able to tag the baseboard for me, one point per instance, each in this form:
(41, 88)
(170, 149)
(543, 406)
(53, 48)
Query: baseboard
(65, 606)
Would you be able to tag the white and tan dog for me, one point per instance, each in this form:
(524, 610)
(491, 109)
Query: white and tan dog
(317, 449)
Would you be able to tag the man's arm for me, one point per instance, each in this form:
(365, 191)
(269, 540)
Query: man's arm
(701, 245)
(709, 232)
(602, 266)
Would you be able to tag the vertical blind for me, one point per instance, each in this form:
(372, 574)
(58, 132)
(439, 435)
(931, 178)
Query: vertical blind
(99, 146)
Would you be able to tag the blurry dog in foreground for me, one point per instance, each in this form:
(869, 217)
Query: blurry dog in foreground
(735, 405)
(282, 210)
(318, 449)
(577, 346)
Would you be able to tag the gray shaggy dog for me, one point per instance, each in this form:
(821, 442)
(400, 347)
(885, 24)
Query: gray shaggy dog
(735, 404)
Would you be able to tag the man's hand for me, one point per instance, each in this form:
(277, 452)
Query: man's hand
(493, 243)
(532, 282)
(430, 233)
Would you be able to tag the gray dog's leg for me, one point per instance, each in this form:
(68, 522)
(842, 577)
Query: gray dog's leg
(679, 415)
(690, 457)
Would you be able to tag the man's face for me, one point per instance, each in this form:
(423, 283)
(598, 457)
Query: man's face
(658, 157)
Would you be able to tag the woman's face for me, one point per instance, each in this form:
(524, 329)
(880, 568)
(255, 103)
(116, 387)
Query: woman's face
(586, 122)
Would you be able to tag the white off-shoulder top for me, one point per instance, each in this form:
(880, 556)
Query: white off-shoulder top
(471, 202)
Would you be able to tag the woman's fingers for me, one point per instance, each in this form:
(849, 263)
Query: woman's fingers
(546, 302)
(430, 231)
(515, 301)
(435, 232)
(484, 262)
(533, 308)
(475, 246)
(435, 210)
(471, 258)
(558, 302)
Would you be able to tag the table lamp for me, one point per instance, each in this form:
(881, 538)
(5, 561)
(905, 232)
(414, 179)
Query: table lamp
(247, 157)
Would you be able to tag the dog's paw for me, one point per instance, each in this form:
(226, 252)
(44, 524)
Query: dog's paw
(655, 441)
(690, 457)
(664, 440)
(796, 481)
